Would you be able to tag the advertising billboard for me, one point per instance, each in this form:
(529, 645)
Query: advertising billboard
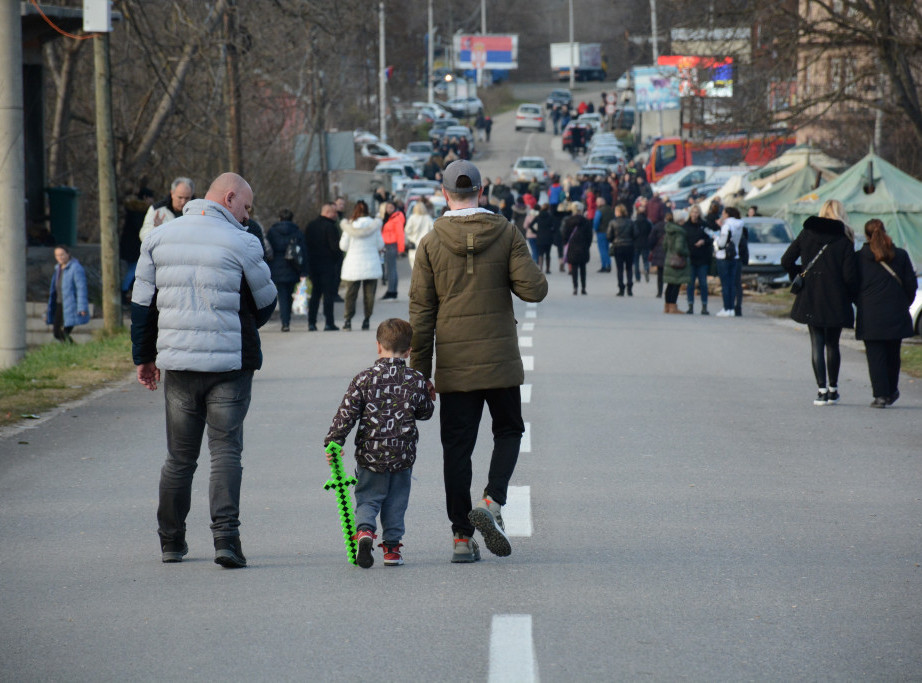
(486, 51)
(702, 76)
(656, 88)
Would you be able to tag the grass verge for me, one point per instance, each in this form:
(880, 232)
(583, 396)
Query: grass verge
(56, 373)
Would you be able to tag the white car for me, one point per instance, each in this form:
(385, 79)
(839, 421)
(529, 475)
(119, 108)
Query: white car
(594, 119)
(430, 112)
(769, 238)
(530, 116)
(382, 151)
(401, 174)
(464, 106)
(609, 159)
(362, 137)
(527, 169)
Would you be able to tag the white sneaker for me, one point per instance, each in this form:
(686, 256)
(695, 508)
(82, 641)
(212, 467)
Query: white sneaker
(724, 313)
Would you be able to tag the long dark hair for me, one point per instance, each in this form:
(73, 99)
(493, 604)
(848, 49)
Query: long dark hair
(361, 209)
(879, 241)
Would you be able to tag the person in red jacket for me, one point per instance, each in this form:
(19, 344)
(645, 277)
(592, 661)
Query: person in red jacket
(394, 244)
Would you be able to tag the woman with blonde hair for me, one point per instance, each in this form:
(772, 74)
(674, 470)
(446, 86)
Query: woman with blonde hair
(418, 225)
(833, 209)
(888, 286)
(362, 242)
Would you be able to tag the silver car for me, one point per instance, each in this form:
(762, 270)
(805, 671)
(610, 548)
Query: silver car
(530, 116)
(769, 238)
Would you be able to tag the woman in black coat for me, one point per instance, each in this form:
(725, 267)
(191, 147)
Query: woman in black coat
(655, 242)
(544, 227)
(824, 304)
(286, 273)
(577, 238)
(888, 286)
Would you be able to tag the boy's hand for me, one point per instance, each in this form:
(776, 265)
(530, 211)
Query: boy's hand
(431, 389)
(330, 457)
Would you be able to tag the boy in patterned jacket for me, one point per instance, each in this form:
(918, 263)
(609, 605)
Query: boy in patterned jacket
(385, 400)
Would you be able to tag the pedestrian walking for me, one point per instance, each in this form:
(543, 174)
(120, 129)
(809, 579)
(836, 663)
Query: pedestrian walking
(577, 240)
(829, 272)
(621, 235)
(288, 264)
(655, 243)
(322, 238)
(67, 297)
(362, 243)
(385, 401)
(887, 288)
(202, 290)
(728, 262)
(642, 229)
(545, 229)
(677, 269)
(700, 252)
(467, 270)
(603, 216)
(394, 245)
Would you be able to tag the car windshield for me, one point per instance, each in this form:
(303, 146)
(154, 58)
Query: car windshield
(529, 110)
(603, 159)
(769, 233)
(419, 147)
(530, 163)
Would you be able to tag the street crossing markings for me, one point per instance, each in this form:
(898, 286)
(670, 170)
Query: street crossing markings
(526, 393)
(512, 649)
(526, 342)
(528, 362)
(517, 512)
(528, 327)
(531, 314)
(526, 439)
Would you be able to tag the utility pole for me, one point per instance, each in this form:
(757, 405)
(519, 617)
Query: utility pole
(572, 49)
(653, 32)
(234, 131)
(382, 76)
(12, 191)
(483, 32)
(431, 56)
(108, 203)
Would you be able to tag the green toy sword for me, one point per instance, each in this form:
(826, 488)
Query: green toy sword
(340, 483)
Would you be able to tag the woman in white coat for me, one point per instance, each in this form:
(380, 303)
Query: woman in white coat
(419, 223)
(361, 241)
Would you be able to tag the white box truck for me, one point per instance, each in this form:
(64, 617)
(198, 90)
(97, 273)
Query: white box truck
(589, 63)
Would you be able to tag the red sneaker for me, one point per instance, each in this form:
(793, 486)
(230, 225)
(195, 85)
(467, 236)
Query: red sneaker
(392, 556)
(366, 541)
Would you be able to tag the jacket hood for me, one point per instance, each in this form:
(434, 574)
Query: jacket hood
(485, 228)
(825, 227)
(734, 223)
(206, 207)
(362, 226)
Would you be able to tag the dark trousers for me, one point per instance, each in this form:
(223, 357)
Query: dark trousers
(824, 346)
(659, 281)
(324, 283)
(672, 293)
(884, 366)
(578, 273)
(624, 260)
(369, 287)
(194, 401)
(285, 290)
(460, 418)
(61, 333)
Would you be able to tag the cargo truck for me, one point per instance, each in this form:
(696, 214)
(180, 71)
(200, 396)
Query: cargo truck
(589, 63)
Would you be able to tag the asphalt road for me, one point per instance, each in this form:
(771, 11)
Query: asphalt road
(693, 517)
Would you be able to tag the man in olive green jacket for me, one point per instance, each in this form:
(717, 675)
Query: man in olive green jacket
(466, 270)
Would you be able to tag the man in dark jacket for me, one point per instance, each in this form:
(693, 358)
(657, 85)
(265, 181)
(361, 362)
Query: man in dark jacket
(323, 257)
(465, 273)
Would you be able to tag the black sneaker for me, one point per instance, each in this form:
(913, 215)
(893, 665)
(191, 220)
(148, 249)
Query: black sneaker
(347, 325)
(173, 551)
(228, 553)
(832, 397)
(893, 397)
(365, 324)
(820, 399)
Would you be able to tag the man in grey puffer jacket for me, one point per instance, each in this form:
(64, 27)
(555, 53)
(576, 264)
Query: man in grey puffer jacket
(201, 291)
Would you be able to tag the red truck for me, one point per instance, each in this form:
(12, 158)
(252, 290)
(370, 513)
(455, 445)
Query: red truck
(669, 155)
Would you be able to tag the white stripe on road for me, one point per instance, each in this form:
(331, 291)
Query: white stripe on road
(528, 362)
(531, 304)
(531, 314)
(526, 341)
(525, 447)
(528, 327)
(526, 393)
(512, 649)
(517, 511)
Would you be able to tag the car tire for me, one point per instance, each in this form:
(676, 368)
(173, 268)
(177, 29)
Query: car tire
(517, 129)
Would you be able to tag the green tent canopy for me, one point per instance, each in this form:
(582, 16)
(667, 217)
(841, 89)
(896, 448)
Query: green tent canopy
(872, 188)
(773, 199)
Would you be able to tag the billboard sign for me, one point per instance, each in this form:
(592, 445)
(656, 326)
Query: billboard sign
(702, 76)
(486, 52)
(656, 88)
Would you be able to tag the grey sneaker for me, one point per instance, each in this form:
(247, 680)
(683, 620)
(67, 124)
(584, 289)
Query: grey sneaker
(466, 549)
(487, 518)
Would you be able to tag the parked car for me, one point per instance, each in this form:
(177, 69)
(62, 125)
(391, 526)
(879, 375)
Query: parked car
(769, 238)
(609, 159)
(381, 151)
(439, 126)
(594, 119)
(464, 106)
(915, 309)
(527, 169)
(419, 150)
(362, 137)
(459, 132)
(430, 111)
(590, 171)
(682, 200)
(436, 201)
(530, 116)
(559, 96)
(400, 173)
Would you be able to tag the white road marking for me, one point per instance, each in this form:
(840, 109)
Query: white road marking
(525, 446)
(531, 304)
(528, 327)
(526, 393)
(528, 362)
(531, 314)
(526, 341)
(512, 649)
(517, 511)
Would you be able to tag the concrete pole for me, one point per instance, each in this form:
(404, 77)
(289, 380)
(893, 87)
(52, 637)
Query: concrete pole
(653, 32)
(572, 49)
(382, 77)
(430, 57)
(12, 191)
(483, 32)
(108, 202)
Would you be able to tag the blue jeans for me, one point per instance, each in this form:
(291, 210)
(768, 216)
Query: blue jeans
(533, 245)
(194, 401)
(384, 492)
(602, 240)
(390, 266)
(726, 271)
(642, 253)
(699, 273)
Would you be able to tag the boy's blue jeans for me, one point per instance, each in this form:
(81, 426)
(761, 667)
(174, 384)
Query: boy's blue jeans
(384, 492)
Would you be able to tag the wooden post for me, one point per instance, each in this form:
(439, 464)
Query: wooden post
(234, 132)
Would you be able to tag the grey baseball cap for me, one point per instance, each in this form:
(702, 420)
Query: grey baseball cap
(459, 169)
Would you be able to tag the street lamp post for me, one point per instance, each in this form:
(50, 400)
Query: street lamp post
(431, 56)
(382, 77)
(572, 49)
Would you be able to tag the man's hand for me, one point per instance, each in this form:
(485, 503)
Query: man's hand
(149, 375)
(431, 389)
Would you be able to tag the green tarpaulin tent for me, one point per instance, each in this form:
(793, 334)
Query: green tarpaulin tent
(872, 188)
(773, 199)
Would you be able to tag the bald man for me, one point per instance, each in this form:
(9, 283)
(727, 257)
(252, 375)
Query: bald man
(202, 290)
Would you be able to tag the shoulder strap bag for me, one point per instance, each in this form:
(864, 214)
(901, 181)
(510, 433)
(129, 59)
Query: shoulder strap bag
(798, 283)
(890, 270)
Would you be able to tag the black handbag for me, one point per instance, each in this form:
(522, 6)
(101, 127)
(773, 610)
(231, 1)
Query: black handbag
(798, 284)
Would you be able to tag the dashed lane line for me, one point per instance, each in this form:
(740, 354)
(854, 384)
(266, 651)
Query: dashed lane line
(517, 512)
(512, 649)
(526, 393)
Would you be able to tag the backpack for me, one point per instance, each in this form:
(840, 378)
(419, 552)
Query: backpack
(293, 253)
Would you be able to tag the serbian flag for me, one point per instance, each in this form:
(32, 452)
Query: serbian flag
(388, 72)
